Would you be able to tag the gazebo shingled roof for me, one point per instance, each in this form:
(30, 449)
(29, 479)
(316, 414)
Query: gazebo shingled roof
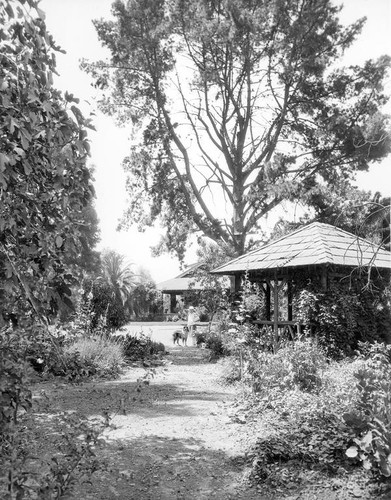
(315, 244)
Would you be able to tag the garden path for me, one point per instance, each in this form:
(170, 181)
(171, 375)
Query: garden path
(173, 440)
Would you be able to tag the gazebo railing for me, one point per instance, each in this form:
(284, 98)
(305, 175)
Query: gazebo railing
(293, 327)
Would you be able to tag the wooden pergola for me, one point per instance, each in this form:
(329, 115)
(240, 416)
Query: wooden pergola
(319, 250)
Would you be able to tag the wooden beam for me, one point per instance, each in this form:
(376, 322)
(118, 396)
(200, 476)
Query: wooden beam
(290, 305)
(236, 282)
(324, 278)
(267, 301)
(172, 302)
(275, 312)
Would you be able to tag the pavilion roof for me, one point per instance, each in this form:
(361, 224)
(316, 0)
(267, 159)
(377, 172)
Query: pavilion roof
(183, 282)
(315, 244)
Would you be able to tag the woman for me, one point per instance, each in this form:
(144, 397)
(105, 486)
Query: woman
(192, 318)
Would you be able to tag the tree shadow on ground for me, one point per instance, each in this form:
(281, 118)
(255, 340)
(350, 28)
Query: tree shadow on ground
(152, 401)
(134, 394)
(188, 355)
(155, 467)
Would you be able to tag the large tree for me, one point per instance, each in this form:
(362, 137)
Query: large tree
(359, 212)
(45, 185)
(239, 105)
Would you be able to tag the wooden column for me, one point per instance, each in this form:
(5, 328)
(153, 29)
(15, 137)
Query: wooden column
(267, 300)
(275, 312)
(290, 306)
(236, 282)
(172, 302)
(324, 278)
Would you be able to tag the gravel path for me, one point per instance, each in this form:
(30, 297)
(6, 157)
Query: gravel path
(174, 440)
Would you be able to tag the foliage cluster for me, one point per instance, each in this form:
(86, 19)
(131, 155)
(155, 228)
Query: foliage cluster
(103, 304)
(22, 474)
(145, 302)
(372, 414)
(14, 391)
(213, 294)
(118, 295)
(304, 416)
(46, 187)
(339, 421)
(297, 365)
(212, 340)
(343, 316)
(98, 354)
(139, 347)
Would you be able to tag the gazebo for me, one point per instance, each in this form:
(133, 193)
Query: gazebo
(317, 250)
(179, 285)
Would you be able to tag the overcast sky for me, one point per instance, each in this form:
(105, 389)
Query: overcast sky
(70, 21)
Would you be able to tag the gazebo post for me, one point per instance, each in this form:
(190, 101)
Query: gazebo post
(290, 297)
(236, 282)
(268, 301)
(172, 302)
(275, 310)
(324, 278)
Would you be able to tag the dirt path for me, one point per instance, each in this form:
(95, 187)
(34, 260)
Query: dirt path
(174, 441)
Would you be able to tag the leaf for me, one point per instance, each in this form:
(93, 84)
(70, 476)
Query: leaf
(366, 442)
(78, 114)
(41, 13)
(3, 160)
(352, 452)
(59, 241)
(9, 271)
(367, 464)
(9, 10)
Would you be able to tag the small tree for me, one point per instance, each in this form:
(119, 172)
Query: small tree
(214, 293)
(45, 184)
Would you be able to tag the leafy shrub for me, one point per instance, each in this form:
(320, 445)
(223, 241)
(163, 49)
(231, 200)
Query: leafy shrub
(298, 364)
(304, 427)
(94, 355)
(75, 460)
(320, 441)
(368, 350)
(373, 411)
(212, 341)
(98, 301)
(75, 357)
(204, 317)
(200, 338)
(73, 367)
(74, 457)
(35, 345)
(215, 344)
(342, 317)
(138, 347)
(14, 393)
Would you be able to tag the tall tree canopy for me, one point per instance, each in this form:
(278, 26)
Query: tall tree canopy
(45, 184)
(240, 105)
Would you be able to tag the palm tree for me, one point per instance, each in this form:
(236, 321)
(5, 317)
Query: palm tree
(118, 274)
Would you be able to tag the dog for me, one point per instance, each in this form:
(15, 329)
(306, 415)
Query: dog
(181, 335)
